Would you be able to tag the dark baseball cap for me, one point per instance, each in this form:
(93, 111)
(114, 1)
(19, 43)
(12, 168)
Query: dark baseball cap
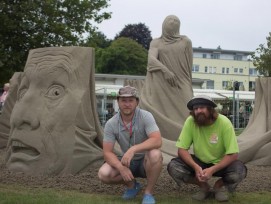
(201, 100)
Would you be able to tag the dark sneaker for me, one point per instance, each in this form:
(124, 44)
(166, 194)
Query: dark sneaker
(221, 195)
(131, 193)
(201, 195)
(148, 199)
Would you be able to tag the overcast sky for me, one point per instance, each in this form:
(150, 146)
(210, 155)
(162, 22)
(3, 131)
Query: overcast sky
(232, 24)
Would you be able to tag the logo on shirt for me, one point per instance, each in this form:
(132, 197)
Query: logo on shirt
(213, 138)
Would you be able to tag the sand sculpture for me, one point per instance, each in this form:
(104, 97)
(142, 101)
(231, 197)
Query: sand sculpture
(54, 125)
(137, 83)
(255, 140)
(168, 83)
(54, 128)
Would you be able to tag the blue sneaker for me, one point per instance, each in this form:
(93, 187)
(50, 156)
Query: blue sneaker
(131, 193)
(148, 199)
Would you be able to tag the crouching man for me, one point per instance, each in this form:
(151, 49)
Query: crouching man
(215, 152)
(139, 138)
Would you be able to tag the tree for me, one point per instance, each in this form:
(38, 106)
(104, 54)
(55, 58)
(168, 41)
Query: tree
(138, 32)
(32, 24)
(97, 40)
(123, 56)
(262, 58)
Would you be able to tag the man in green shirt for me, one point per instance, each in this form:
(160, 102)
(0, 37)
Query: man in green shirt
(215, 151)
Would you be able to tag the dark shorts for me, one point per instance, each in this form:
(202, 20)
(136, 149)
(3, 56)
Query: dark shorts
(137, 168)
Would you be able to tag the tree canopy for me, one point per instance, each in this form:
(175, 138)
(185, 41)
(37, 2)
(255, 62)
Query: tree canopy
(123, 56)
(32, 24)
(262, 58)
(97, 40)
(138, 32)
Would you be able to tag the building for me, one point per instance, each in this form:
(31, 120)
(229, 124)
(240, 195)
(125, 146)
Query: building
(220, 68)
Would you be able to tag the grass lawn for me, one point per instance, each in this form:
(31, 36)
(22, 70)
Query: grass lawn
(10, 194)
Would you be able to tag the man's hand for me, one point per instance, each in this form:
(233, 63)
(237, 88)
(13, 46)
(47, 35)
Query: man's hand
(203, 175)
(126, 174)
(127, 157)
(199, 174)
(207, 173)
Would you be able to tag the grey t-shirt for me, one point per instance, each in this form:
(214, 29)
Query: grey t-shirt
(143, 124)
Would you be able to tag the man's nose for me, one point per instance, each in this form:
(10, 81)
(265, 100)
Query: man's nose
(127, 103)
(198, 110)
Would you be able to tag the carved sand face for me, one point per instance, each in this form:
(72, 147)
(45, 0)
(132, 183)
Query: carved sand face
(43, 118)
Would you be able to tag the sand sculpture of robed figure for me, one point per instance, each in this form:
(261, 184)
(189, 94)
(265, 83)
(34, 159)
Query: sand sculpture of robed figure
(255, 140)
(168, 84)
(54, 125)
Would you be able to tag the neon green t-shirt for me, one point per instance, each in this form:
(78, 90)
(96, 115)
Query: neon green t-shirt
(210, 143)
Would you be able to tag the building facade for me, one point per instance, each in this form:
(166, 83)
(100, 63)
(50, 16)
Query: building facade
(221, 68)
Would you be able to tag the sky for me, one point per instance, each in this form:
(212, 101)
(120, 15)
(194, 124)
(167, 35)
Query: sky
(231, 24)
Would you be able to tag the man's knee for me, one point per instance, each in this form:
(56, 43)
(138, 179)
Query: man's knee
(235, 176)
(101, 174)
(154, 156)
(104, 174)
(178, 172)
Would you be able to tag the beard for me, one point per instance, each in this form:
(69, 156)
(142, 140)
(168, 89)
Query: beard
(202, 119)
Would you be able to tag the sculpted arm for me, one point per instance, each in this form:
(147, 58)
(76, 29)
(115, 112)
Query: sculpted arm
(155, 65)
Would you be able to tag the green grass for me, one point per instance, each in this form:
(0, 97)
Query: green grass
(21, 195)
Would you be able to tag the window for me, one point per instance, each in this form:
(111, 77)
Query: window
(223, 70)
(238, 57)
(210, 84)
(212, 69)
(225, 84)
(253, 72)
(206, 69)
(195, 68)
(215, 56)
(251, 86)
(204, 55)
(228, 70)
(241, 71)
(235, 70)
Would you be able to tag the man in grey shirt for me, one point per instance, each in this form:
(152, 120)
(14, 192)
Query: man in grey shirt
(139, 138)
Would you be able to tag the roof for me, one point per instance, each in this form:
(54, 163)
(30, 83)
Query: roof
(226, 94)
(209, 50)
